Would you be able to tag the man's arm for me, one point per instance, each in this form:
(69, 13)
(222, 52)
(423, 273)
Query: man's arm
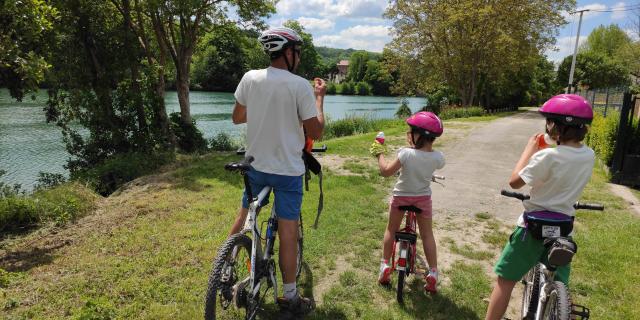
(315, 125)
(239, 114)
(515, 180)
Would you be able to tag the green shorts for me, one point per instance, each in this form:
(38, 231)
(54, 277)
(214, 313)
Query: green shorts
(521, 254)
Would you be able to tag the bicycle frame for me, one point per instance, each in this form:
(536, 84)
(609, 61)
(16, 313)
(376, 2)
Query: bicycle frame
(260, 258)
(546, 276)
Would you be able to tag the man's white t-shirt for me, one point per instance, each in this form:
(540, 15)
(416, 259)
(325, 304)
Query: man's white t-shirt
(417, 168)
(277, 102)
(557, 177)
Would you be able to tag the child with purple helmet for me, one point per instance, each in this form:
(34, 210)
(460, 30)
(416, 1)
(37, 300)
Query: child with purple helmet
(416, 165)
(557, 177)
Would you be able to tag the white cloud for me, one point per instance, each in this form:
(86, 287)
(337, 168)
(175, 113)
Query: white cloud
(564, 47)
(618, 15)
(315, 24)
(632, 33)
(363, 37)
(332, 8)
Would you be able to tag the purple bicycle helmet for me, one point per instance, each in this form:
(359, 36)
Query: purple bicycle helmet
(426, 123)
(568, 109)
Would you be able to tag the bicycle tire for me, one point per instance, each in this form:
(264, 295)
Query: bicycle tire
(558, 304)
(214, 283)
(531, 293)
(400, 290)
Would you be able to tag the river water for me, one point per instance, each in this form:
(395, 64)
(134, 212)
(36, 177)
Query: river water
(28, 145)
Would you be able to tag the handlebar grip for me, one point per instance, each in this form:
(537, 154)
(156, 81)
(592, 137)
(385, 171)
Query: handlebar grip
(435, 176)
(514, 194)
(247, 160)
(589, 206)
(242, 150)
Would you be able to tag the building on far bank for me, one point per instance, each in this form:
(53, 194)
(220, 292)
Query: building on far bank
(343, 68)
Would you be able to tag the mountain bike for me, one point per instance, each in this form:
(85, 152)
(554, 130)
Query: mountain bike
(244, 271)
(544, 298)
(405, 244)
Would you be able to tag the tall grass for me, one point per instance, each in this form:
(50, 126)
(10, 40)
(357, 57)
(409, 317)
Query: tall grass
(353, 124)
(452, 112)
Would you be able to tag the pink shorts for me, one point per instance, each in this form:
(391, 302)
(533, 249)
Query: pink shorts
(421, 202)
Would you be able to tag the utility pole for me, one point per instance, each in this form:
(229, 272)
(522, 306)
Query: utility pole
(575, 52)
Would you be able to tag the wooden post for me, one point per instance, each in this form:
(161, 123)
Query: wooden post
(606, 103)
(621, 140)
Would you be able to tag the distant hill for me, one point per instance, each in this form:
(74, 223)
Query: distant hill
(334, 54)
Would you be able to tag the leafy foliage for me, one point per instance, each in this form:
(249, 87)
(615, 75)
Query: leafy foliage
(188, 137)
(602, 135)
(594, 70)
(403, 111)
(223, 142)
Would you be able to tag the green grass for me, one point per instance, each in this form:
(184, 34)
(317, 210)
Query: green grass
(607, 265)
(155, 264)
(467, 251)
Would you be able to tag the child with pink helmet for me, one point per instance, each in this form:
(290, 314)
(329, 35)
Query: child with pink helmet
(416, 164)
(557, 177)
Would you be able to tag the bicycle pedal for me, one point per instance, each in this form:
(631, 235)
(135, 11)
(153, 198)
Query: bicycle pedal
(579, 311)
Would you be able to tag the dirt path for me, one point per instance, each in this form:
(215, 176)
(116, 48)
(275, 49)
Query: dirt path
(479, 166)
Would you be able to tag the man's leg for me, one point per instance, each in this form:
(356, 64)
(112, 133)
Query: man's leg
(239, 223)
(288, 233)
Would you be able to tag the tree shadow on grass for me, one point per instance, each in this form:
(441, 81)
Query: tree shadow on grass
(208, 167)
(26, 259)
(436, 306)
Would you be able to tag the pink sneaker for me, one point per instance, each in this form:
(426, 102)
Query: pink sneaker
(385, 276)
(431, 285)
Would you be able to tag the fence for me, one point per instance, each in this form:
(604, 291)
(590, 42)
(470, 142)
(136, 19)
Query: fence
(602, 100)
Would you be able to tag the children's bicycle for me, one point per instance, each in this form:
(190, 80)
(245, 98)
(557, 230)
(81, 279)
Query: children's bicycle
(405, 244)
(544, 298)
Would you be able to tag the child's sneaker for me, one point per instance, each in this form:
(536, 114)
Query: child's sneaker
(385, 275)
(432, 282)
(297, 307)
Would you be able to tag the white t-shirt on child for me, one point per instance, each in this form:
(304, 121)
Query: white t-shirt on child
(417, 168)
(277, 102)
(557, 177)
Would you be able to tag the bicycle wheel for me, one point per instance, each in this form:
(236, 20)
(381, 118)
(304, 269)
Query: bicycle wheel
(531, 293)
(402, 274)
(558, 304)
(231, 269)
(300, 248)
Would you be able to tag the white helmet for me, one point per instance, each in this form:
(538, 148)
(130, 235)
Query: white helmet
(277, 39)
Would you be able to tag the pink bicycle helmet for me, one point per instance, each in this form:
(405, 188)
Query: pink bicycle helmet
(426, 123)
(568, 109)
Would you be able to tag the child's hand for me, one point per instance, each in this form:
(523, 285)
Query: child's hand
(377, 149)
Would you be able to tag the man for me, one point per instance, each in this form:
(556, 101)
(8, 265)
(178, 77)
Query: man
(275, 103)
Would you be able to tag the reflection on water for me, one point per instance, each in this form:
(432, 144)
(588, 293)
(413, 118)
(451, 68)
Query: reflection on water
(29, 145)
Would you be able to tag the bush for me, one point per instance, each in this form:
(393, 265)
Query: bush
(351, 125)
(452, 112)
(346, 88)
(223, 142)
(7, 190)
(332, 88)
(602, 135)
(362, 89)
(48, 180)
(188, 137)
(403, 111)
(59, 205)
(120, 169)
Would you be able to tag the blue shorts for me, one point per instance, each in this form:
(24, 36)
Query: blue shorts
(287, 190)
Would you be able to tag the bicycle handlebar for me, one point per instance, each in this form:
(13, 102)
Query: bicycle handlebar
(242, 150)
(435, 176)
(242, 165)
(577, 205)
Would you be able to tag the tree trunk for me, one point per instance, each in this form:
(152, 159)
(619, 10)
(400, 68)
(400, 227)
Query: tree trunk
(182, 85)
(135, 86)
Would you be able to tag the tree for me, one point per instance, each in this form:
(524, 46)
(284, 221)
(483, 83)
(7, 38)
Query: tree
(594, 70)
(357, 66)
(25, 26)
(378, 77)
(459, 43)
(606, 40)
(310, 65)
(219, 63)
(177, 26)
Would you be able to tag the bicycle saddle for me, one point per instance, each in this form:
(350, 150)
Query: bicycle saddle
(243, 166)
(410, 208)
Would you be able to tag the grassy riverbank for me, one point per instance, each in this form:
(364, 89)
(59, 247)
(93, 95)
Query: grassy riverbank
(146, 252)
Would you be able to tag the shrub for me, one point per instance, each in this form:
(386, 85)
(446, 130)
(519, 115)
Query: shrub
(48, 180)
(351, 125)
(362, 89)
(7, 190)
(602, 135)
(120, 169)
(403, 111)
(59, 205)
(452, 112)
(223, 142)
(346, 88)
(332, 88)
(188, 137)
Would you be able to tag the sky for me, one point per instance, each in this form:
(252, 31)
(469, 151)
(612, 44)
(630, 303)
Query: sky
(359, 24)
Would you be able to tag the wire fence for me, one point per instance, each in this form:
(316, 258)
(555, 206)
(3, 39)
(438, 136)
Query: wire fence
(603, 100)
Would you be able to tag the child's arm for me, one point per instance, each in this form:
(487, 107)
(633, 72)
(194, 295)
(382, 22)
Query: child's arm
(516, 181)
(388, 169)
